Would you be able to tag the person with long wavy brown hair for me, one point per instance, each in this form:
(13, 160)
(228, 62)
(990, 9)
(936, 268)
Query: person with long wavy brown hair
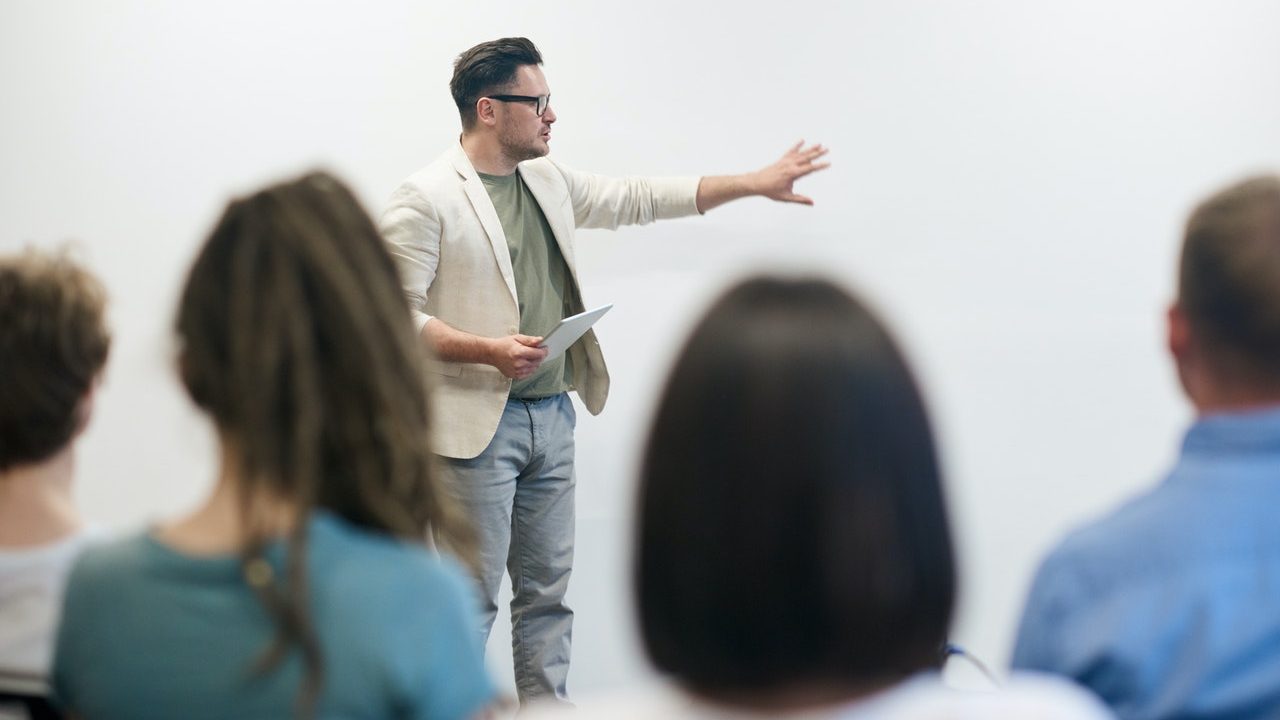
(301, 586)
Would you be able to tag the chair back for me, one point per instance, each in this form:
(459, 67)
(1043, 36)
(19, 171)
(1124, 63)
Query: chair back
(25, 697)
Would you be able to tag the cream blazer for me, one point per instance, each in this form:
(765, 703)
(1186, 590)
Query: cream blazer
(454, 264)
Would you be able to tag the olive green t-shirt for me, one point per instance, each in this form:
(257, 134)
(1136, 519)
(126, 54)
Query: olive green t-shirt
(542, 278)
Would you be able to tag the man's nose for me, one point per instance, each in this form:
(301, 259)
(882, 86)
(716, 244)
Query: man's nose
(549, 116)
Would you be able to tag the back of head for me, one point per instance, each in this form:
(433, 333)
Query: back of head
(296, 340)
(1229, 282)
(53, 345)
(792, 526)
(488, 68)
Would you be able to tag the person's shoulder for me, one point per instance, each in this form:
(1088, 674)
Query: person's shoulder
(430, 177)
(101, 556)
(1123, 537)
(641, 703)
(357, 554)
(546, 170)
(106, 568)
(57, 553)
(441, 167)
(1026, 696)
(1047, 696)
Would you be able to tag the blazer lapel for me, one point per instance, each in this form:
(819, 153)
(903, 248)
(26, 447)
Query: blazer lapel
(550, 200)
(488, 216)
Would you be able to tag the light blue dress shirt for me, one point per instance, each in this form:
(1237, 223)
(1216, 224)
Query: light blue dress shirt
(1170, 606)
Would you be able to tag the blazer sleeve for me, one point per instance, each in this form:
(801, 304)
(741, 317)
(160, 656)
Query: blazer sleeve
(600, 201)
(411, 227)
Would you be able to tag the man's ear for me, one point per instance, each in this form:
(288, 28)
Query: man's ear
(1179, 333)
(485, 112)
(1181, 340)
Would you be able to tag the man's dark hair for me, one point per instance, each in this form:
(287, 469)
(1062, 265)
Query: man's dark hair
(53, 345)
(1229, 281)
(792, 525)
(487, 68)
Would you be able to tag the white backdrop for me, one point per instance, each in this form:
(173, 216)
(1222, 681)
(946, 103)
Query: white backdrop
(1008, 185)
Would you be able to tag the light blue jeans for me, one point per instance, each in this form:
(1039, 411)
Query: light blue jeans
(519, 495)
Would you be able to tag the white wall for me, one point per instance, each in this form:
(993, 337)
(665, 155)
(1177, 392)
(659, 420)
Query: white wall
(1008, 185)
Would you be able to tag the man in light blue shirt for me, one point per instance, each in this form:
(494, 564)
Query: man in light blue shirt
(1170, 606)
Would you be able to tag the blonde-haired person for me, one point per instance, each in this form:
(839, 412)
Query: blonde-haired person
(793, 554)
(301, 587)
(53, 345)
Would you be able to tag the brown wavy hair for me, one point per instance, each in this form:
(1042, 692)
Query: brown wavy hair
(53, 345)
(296, 340)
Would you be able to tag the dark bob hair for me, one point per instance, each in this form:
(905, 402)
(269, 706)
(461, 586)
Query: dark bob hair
(792, 527)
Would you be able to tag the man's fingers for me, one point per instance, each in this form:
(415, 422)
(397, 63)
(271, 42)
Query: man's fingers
(813, 167)
(531, 355)
(801, 199)
(522, 370)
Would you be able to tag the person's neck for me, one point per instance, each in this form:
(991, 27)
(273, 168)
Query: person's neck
(36, 507)
(486, 154)
(219, 525)
(1212, 397)
(1226, 406)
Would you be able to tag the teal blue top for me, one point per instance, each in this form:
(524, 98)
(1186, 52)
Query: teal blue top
(149, 632)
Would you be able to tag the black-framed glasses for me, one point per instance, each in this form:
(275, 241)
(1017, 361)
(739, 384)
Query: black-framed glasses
(540, 102)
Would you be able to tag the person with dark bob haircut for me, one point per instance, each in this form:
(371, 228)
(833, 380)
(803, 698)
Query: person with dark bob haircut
(793, 547)
(301, 587)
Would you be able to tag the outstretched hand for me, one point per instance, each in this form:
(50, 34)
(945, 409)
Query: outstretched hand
(776, 181)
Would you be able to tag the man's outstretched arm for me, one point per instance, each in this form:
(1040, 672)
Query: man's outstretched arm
(775, 181)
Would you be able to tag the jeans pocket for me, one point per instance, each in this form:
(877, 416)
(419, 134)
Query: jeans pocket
(570, 411)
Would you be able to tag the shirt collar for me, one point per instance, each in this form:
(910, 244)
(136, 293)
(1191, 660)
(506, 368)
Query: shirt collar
(1253, 431)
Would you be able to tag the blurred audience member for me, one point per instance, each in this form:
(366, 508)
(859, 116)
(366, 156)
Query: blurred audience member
(53, 345)
(794, 553)
(1166, 608)
(301, 587)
